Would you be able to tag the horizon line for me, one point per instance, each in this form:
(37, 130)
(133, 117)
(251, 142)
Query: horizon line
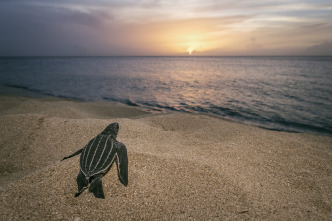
(50, 56)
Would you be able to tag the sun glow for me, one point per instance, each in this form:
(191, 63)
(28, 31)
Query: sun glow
(190, 50)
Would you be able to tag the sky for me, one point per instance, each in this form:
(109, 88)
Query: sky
(165, 27)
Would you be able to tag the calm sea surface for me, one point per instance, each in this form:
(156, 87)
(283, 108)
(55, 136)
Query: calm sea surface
(280, 93)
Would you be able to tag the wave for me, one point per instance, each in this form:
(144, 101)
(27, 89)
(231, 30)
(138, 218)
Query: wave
(124, 101)
(39, 93)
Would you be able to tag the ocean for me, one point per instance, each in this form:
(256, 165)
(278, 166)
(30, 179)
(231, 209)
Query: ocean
(277, 93)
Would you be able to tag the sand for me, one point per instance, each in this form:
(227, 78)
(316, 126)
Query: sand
(181, 166)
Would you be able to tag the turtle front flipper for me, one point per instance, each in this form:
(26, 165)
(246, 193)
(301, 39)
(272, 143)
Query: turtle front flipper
(96, 187)
(82, 183)
(74, 154)
(122, 162)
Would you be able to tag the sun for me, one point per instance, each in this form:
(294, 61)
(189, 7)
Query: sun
(190, 50)
(192, 47)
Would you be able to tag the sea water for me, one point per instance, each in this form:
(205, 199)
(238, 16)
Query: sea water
(279, 93)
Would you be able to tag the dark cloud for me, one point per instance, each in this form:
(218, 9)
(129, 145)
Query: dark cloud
(28, 29)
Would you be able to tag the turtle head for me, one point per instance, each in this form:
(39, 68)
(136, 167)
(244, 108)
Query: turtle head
(111, 129)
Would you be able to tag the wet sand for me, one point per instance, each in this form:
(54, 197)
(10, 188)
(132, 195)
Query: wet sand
(181, 166)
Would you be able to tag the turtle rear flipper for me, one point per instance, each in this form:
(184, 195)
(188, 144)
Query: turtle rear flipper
(82, 183)
(122, 162)
(96, 187)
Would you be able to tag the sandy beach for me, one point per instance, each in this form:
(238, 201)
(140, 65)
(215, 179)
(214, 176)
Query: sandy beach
(181, 166)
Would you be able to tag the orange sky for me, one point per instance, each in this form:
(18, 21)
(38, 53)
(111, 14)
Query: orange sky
(205, 28)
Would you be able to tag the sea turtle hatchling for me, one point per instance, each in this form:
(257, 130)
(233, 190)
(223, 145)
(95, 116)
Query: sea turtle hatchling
(97, 158)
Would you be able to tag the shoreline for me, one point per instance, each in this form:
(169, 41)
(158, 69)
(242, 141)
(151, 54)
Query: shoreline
(26, 93)
(273, 126)
(181, 165)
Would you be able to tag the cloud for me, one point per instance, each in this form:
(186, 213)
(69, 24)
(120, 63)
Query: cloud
(129, 27)
(324, 48)
(253, 45)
